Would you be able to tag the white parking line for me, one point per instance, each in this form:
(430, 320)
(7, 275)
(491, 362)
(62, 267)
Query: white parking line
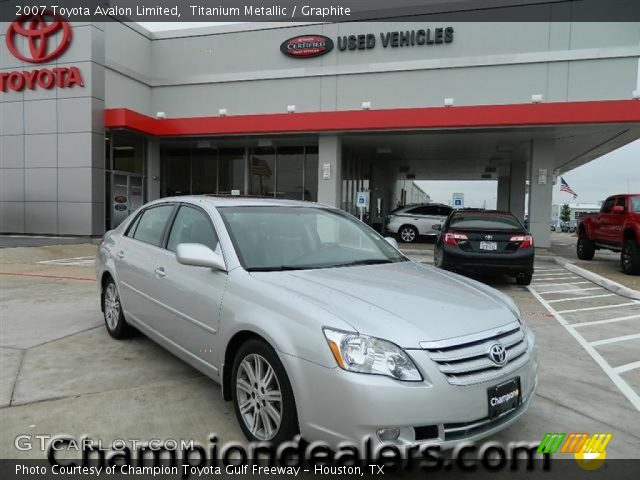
(610, 320)
(561, 278)
(72, 261)
(623, 338)
(598, 308)
(627, 367)
(550, 270)
(572, 290)
(551, 274)
(555, 284)
(580, 298)
(612, 373)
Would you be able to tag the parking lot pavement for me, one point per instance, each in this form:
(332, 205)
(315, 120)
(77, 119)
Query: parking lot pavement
(604, 263)
(62, 373)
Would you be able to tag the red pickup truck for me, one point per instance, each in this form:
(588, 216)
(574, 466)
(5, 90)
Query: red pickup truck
(616, 227)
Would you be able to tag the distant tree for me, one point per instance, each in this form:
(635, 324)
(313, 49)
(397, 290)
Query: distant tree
(565, 213)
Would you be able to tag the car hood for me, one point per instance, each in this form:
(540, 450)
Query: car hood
(404, 302)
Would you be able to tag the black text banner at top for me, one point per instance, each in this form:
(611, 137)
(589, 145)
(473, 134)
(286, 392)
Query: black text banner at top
(328, 10)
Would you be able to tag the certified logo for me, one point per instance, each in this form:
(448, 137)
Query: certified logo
(305, 46)
(488, 237)
(47, 36)
(498, 354)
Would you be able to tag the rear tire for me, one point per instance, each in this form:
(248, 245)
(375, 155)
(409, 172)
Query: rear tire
(585, 248)
(114, 320)
(268, 399)
(408, 234)
(524, 279)
(630, 257)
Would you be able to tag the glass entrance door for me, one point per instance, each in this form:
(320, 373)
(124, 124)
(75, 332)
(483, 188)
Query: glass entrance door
(127, 195)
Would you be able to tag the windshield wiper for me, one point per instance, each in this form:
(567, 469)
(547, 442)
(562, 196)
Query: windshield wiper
(282, 268)
(368, 261)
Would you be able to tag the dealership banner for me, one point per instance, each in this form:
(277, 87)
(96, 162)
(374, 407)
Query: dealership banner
(325, 10)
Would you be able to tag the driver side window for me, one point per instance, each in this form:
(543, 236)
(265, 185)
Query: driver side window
(192, 226)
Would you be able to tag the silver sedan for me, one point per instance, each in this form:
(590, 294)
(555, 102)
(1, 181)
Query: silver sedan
(315, 324)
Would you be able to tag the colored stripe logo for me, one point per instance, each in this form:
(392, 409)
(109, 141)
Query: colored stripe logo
(578, 443)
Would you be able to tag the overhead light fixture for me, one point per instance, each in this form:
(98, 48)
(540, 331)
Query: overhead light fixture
(448, 102)
(161, 115)
(291, 109)
(536, 98)
(222, 112)
(366, 105)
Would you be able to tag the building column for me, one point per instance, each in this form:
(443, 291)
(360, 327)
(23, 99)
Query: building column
(518, 189)
(330, 170)
(542, 163)
(153, 170)
(504, 186)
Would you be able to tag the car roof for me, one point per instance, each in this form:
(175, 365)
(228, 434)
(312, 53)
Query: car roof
(481, 211)
(237, 201)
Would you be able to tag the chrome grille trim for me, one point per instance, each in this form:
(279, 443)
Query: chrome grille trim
(466, 362)
(474, 337)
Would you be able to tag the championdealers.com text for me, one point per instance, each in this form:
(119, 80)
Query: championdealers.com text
(67, 455)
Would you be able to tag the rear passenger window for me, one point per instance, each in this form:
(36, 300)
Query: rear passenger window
(152, 223)
(192, 226)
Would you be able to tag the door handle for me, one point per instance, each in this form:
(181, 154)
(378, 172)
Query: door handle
(120, 254)
(160, 272)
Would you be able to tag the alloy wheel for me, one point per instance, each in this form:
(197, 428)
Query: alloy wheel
(408, 235)
(259, 397)
(111, 306)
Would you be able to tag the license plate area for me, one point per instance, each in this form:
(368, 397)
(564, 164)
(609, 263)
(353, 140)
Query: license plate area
(504, 397)
(491, 246)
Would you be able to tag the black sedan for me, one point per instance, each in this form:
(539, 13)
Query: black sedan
(485, 241)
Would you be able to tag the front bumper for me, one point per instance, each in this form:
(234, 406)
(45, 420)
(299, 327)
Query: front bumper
(335, 406)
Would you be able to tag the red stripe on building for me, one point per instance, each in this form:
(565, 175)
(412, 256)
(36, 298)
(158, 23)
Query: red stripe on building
(515, 115)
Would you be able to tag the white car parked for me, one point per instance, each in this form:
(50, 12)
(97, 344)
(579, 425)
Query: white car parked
(411, 221)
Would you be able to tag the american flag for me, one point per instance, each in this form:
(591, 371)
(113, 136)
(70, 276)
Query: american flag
(564, 187)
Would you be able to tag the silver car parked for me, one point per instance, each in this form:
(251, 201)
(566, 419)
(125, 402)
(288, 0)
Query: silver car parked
(314, 323)
(411, 221)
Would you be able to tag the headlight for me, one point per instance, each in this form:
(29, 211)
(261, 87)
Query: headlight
(364, 354)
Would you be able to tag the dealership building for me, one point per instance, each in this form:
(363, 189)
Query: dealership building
(102, 117)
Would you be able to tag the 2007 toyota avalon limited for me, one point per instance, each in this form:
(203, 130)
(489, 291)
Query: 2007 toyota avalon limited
(313, 323)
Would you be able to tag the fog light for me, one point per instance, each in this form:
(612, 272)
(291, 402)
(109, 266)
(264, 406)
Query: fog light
(388, 434)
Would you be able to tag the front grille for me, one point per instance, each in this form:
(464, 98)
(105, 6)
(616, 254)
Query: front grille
(465, 361)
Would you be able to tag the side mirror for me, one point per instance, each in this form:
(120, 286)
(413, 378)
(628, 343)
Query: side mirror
(198, 255)
(618, 209)
(437, 227)
(392, 241)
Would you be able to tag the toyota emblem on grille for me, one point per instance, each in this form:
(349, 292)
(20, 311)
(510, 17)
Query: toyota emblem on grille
(498, 354)
(488, 237)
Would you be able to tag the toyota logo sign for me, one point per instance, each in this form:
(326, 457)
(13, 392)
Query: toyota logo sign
(48, 36)
(498, 354)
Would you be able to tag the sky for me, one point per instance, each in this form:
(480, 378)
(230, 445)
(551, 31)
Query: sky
(616, 172)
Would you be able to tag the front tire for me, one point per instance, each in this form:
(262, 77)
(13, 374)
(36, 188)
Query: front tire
(408, 234)
(630, 257)
(262, 395)
(114, 320)
(585, 248)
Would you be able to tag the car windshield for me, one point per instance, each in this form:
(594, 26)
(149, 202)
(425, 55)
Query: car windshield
(271, 238)
(484, 222)
(635, 204)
